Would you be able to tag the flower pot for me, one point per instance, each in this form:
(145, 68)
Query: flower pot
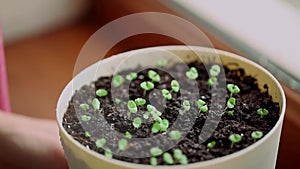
(261, 155)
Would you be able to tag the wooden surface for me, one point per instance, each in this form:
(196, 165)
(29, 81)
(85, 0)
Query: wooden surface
(40, 67)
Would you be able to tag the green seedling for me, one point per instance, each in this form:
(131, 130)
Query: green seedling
(87, 134)
(211, 145)
(140, 101)
(131, 76)
(108, 153)
(230, 103)
(212, 81)
(257, 135)
(234, 138)
(101, 92)
(96, 104)
(122, 144)
(86, 118)
(159, 126)
(168, 159)
(162, 63)
(153, 161)
(137, 122)
(262, 112)
(147, 86)
(231, 112)
(186, 105)
(175, 135)
(155, 151)
(84, 106)
(214, 70)
(192, 74)
(180, 157)
(117, 101)
(128, 135)
(100, 143)
(175, 86)
(202, 106)
(166, 94)
(132, 106)
(117, 81)
(233, 89)
(154, 76)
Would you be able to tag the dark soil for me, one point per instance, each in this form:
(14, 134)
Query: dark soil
(244, 121)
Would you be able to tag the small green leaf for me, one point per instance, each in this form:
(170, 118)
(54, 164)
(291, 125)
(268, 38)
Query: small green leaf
(233, 88)
(108, 153)
(262, 111)
(122, 144)
(146, 115)
(131, 76)
(140, 101)
(85, 118)
(153, 161)
(117, 101)
(167, 95)
(155, 127)
(147, 85)
(101, 92)
(154, 76)
(186, 105)
(155, 151)
(214, 70)
(211, 145)
(257, 134)
(212, 81)
(204, 108)
(117, 81)
(132, 106)
(168, 159)
(235, 138)
(164, 125)
(175, 85)
(177, 154)
(162, 63)
(231, 102)
(96, 104)
(200, 103)
(231, 112)
(192, 73)
(175, 135)
(137, 122)
(84, 106)
(128, 135)
(87, 134)
(100, 143)
(184, 160)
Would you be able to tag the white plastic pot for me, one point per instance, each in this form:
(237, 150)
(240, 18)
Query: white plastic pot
(260, 155)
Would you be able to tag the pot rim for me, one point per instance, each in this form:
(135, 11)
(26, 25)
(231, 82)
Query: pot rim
(191, 165)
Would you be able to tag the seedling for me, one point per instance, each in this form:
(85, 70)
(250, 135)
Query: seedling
(186, 105)
(84, 106)
(202, 106)
(211, 145)
(155, 151)
(179, 156)
(128, 135)
(175, 86)
(214, 70)
(117, 81)
(231, 112)
(256, 135)
(100, 143)
(147, 86)
(146, 115)
(212, 81)
(131, 76)
(96, 104)
(117, 101)
(167, 94)
(234, 138)
(233, 89)
(154, 76)
(230, 103)
(159, 126)
(86, 118)
(140, 101)
(153, 161)
(101, 92)
(108, 153)
(122, 144)
(168, 159)
(162, 63)
(137, 122)
(192, 74)
(175, 135)
(132, 106)
(262, 112)
(87, 134)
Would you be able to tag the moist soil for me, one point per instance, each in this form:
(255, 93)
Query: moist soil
(244, 121)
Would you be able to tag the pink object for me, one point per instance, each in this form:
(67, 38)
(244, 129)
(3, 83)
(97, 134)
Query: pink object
(4, 97)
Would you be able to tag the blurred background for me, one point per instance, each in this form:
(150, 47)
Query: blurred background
(43, 39)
